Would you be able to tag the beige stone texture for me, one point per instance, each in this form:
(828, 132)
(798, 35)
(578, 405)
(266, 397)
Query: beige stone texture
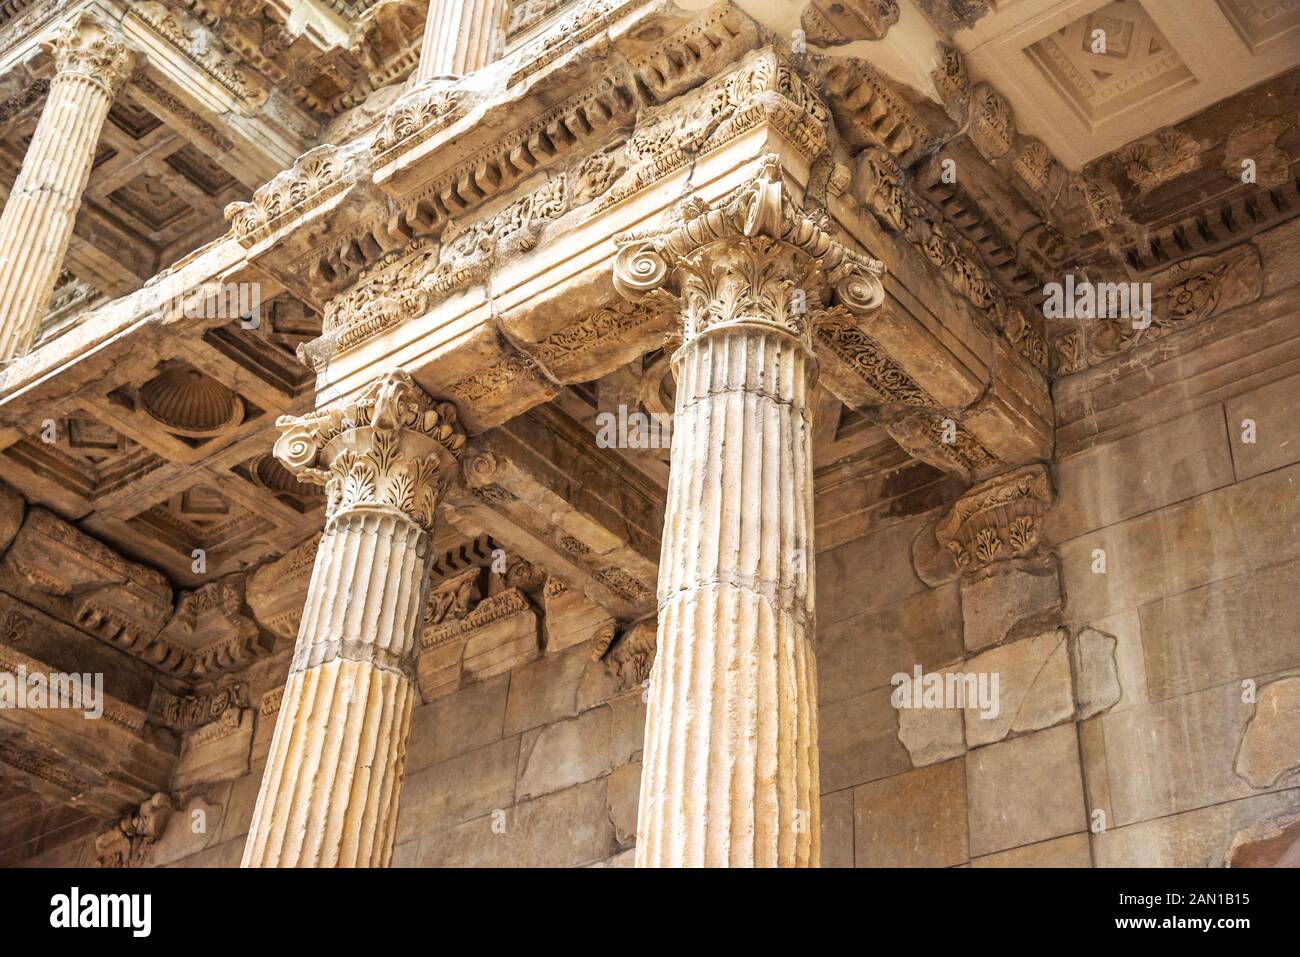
(1025, 790)
(1274, 440)
(459, 789)
(1035, 689)
(1069, 851)
(565, 753)
(860, 740)
(461, 722)
(1003, 606)
(915, 819)
(837, 829)
(1270, 745)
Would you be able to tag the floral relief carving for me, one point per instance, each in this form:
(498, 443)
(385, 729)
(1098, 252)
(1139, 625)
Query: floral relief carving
(315, 177)
(997, 520)
(85, 48)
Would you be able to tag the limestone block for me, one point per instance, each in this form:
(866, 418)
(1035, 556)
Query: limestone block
(932, 562)
(546, 690)
(864, 651)
(565, 753)
(916, 819)
(1069, 851)
(572, 619)
(1034, 688)
(837, 829)
(562, 829)
(627, 725)
(501, 645)
(219, 751)
(623, 859)
(1184, 546)
(1025, 790)
(459, 789)
(1096, 672)
(1140, 473)
(1004, 606)
(438, 669)
(859, 741)
(623, 791)
(1199, 838)
(1175, 755)
(867, 573)
(239, 805)
(464, 721)
(1224, 631)
(1270, 745)
(931, 735)
(1275, 412)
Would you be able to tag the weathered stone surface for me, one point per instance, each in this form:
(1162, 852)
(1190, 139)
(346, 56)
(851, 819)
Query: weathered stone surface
(1184, 546)
(837, 829)
(1270, 419)
(932, 735)
(1003, 606)
(572, 619)
(1025, 790)
(1034, 688)
(462, 722)
(1227, 630)
(1199, 838)
(1270, 745)
(915, 819)
(565, 753)
(543, 691)
(561, 829)
(1141, 473)
(1096, 674)
(11, 515)
(194, 826)
(868, 573)
(1069, 851)
(1175, 755)
(499, 646)
(219, 751)
(863, 652)
(459, 789)
(859, 741)
(623, 791)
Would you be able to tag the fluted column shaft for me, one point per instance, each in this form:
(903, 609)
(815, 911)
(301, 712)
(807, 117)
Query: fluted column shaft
(333, 775)
(729, 776)
(461, 36)
(36, 224)
(729, 770)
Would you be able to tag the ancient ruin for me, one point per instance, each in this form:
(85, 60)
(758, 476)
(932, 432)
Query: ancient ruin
(650, 433)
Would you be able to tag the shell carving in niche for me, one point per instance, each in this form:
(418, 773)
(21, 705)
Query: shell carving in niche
(190, 403)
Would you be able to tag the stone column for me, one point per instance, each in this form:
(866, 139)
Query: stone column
(36, 225)
(334, 771)
(460, 36)
(729, 776)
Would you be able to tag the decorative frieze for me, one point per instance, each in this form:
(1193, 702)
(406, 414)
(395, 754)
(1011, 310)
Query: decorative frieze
(315, 177)
(130, 841)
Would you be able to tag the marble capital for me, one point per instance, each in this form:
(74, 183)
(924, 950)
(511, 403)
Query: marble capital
(85, 48)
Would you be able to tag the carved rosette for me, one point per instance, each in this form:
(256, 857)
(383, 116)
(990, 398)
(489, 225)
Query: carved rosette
(390, 448)
(998, 520)
(754, 258)
(84, 48)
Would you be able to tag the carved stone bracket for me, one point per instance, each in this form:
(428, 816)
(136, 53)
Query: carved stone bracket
(998, 520)
(128, 842)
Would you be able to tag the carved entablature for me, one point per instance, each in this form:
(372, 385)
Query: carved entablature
(872, 110)
(997, 521)
(1182, 296)
(415, 117)
(390, 447)
(201, 47)
(740, 259)
(883, 189)
(84, 582)
(186, 712)
(502, 605)
(830, 22)
(209, 633)
(316, 177)
(590, 19)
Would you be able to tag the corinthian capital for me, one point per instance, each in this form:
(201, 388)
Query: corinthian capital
(392, 447)
(85, 48)
(754, 256)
